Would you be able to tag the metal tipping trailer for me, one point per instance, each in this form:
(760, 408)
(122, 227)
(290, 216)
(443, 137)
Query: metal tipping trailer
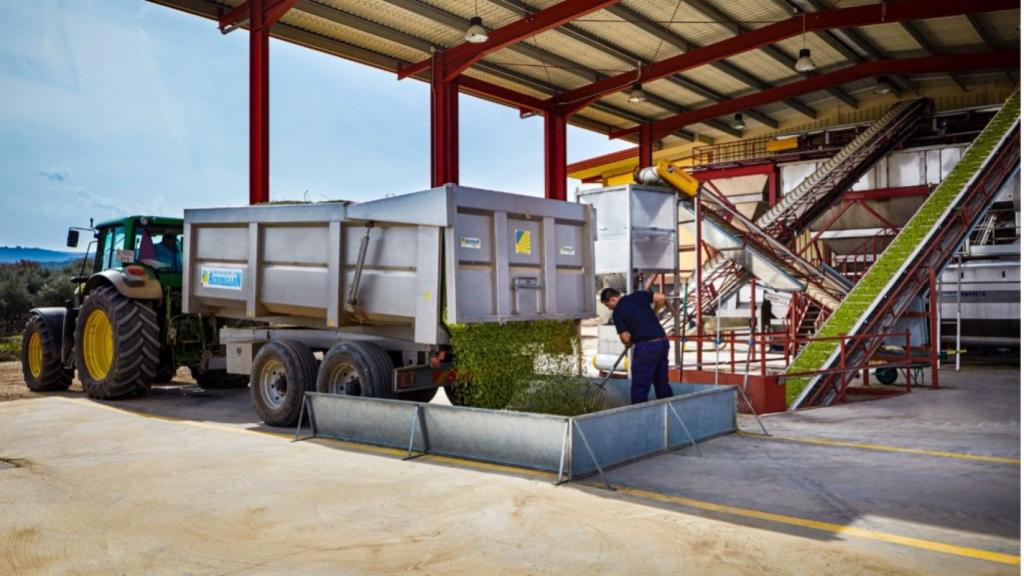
(371, 285)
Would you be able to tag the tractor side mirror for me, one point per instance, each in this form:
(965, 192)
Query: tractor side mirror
(72, 239)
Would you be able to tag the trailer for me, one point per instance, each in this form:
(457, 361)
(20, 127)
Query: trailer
(355, 298)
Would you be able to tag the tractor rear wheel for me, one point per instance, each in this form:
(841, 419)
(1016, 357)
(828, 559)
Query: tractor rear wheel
(282, 372)
(42, 369)
(356, 369)
(117, 345)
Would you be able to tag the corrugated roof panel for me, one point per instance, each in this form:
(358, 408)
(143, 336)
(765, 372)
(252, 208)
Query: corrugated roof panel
(717, 80)
(352, 36)
(1003, 27)
(535, 69)
(399, 19)
(948, 34)
(605, 118)
(493, 15)
(626, 34)
(751, 13)
(761, 65)
(687, 22)
(892, 40)
(579, 52)
(678, 94)
(501, 81)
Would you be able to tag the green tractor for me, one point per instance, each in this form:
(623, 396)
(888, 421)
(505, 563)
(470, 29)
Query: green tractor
(124, 329)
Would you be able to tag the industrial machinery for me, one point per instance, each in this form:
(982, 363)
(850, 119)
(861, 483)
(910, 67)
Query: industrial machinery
(372, 287)
(124, 329)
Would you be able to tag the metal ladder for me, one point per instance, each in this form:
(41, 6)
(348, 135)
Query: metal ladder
(903, 271)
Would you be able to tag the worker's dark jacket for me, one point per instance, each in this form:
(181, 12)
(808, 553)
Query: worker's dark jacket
(633, 314)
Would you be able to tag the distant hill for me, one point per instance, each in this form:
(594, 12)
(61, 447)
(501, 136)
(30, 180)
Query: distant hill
(11, 254)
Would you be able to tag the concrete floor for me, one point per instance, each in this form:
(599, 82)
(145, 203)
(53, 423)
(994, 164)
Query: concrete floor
(186, 482)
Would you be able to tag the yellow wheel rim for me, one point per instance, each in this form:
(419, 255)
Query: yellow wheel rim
(35, 355)
(98, 344)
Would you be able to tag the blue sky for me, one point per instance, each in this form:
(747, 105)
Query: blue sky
(110, 107)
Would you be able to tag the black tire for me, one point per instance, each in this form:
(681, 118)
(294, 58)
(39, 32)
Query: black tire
(356, 369)
(282, 372)
(886, 376)
(136, 345)
(50, 373)
(218, 379)
(424, 395)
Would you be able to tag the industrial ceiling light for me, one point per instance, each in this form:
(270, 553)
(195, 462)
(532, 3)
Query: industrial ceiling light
(738, 123)
(636, 94)
(883, 86)
(476, 33)
(804, 62)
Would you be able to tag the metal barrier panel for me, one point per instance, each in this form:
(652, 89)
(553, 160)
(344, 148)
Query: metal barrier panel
(613, 436)
(513, 438)
(366, 420)
(632, 432)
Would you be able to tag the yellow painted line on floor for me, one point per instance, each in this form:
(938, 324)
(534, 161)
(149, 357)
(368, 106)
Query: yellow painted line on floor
(930, 545)
(886, 448)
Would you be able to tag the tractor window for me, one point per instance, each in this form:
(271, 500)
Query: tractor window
(159, 247)
(113, 241)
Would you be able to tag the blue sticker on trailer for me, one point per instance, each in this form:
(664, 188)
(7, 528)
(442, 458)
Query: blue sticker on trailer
(226, 278)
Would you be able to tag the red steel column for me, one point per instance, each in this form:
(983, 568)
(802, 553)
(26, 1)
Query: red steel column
(444, 126)
(646, 146)
(555, 160)
(259, 110)
(933, 326)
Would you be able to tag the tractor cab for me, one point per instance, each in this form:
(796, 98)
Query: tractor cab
(137, 249)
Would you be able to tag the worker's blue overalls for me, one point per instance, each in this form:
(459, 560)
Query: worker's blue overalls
(633, 314)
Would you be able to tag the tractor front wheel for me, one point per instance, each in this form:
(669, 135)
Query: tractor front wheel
(117, 345)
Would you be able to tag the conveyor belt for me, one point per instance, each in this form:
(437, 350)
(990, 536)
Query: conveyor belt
(901, 272)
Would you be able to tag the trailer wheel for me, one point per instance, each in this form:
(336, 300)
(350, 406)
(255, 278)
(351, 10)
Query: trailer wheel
(282, 372)
(43, 371)
(356, 369)
(117, 345)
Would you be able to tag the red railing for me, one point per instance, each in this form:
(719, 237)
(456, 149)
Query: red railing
(760, 349)
(856, 263)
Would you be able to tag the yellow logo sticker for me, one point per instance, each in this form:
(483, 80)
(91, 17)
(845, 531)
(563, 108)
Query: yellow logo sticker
(523, 244)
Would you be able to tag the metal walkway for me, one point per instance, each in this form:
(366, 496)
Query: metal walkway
(729, 269)
(904, 269)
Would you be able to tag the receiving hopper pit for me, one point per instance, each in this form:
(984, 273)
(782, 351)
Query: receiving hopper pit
(573, 447)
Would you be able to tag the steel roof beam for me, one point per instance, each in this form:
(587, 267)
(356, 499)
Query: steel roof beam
(809, 22)
(773, 52)
(1000, 59)
(445, 18)
(623, 55)
(464, 55)
(666, 35)
(358, 23)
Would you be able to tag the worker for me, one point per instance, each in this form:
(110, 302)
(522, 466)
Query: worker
(638, 326)
(167, 252)
(766, 315)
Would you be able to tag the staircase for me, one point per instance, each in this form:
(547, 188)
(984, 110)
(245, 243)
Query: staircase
(901, 272)
(727, 271)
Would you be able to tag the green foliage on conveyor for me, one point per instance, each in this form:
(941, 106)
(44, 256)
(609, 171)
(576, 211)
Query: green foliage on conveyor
(523, 366)
(843, 319)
